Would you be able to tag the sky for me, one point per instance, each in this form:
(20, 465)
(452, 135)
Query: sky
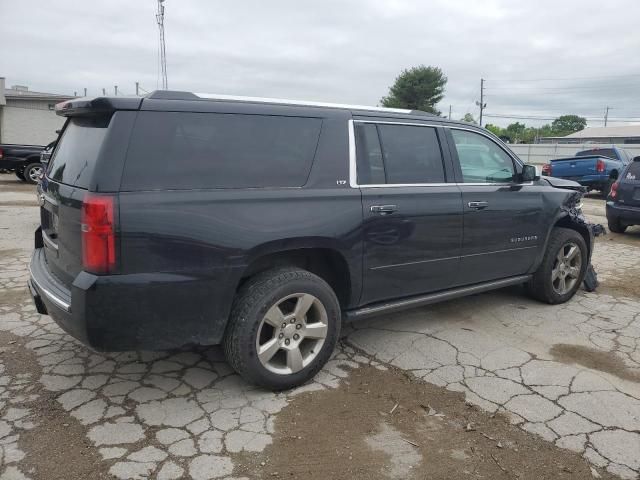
(539, 58)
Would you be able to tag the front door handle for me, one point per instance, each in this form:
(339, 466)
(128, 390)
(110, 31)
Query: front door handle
(478, 205)
(383, 209)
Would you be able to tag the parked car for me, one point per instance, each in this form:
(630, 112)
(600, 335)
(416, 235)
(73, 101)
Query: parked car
(263, 224)
(45, 154)
(596, 169)
(623, 204)
(23, 160)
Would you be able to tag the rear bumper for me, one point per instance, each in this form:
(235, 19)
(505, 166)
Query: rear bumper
(627, 214)
(137, 311)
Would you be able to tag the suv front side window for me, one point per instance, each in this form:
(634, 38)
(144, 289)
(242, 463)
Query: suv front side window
(481, 159)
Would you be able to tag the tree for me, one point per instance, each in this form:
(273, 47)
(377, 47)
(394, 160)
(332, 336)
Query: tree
(567, 124)
(469, 118)
(417, 88)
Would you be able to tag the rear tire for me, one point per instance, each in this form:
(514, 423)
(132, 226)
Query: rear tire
(277, 306)
(562, 269)
(616, 226)
(32, 173)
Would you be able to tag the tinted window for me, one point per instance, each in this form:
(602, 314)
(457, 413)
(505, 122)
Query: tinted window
(411, 154)
(370, 165)
(481, 159)
(174, 150)
(602, 152)
(75, 157)
(633, 172)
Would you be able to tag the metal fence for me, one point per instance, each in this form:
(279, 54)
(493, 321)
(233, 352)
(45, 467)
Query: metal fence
(539, 154)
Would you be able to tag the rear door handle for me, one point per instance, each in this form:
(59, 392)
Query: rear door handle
(383, 209)
(478, 205)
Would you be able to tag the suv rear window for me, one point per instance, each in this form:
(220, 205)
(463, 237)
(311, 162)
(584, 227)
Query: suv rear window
(633, 172)
(176, 150)
(75, 157)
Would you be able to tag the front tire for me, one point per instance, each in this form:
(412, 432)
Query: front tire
(562, 269)
(284, 326)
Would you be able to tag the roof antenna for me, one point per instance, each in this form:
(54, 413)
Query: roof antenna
(163, 51)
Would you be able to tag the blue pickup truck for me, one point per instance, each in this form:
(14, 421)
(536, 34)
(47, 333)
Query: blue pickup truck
(596, 169)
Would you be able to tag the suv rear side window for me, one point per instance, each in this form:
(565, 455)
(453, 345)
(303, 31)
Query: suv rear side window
(398, 154)
(77, 152)
(175, 150)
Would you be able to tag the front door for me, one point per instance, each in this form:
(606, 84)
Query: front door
(412, 216)
(503, 220)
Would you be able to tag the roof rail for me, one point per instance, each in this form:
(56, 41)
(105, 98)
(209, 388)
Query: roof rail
(175, 95)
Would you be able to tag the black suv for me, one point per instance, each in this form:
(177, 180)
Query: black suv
(623, 204)
(261, 224)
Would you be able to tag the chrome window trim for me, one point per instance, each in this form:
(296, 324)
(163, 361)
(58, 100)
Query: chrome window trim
(353, 164)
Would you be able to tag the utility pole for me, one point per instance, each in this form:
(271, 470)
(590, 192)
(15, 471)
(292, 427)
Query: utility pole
(163, 51)
(449, 112)
(606, 115)
(137, 89)
(481, 103)
(115, 89)
(85, 91)
(104, 92)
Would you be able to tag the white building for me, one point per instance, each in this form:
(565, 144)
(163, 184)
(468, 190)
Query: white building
(28, 117)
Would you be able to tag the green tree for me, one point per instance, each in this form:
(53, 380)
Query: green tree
(496, 130)
(417, 88)
(567, 124)
(468, 118)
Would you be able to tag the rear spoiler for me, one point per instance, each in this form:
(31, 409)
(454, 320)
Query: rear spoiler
(96, 106)
(584, 157)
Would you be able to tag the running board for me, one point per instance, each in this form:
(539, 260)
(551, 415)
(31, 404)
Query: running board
(412, 302)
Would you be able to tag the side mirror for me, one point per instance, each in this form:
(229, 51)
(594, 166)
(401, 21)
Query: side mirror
(636, 159)
(529, 173)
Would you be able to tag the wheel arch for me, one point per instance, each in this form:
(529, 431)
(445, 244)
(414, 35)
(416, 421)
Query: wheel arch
(322, 257)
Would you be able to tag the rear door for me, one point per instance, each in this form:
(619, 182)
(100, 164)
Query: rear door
(67, 180)
(412, 213)
(629, 186)
(503, 220)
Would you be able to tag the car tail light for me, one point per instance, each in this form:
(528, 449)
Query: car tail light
(600, 166)
(98, 233)
(546, 169)
(1, 153)
(613, 193)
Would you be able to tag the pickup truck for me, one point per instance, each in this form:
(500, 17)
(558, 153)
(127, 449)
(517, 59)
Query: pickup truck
(24, 160)
(596, 169)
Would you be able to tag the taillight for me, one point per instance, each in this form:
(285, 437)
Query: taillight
(546, 169)
(1, 153)
(600, 167)
(613, 193)
(98, 233)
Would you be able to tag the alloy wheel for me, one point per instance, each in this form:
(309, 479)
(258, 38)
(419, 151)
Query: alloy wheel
(566, 268)
(35, 173)
(292, 333)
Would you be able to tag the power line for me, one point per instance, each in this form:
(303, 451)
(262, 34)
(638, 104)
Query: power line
(567, 78)
(538, 117)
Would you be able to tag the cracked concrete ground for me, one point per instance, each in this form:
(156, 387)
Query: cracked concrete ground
(567, 373)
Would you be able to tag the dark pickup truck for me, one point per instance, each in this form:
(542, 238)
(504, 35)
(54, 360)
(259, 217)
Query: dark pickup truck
(596, 169)
(24, 160)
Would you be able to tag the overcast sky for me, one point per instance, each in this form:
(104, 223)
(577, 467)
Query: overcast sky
(539, 58)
